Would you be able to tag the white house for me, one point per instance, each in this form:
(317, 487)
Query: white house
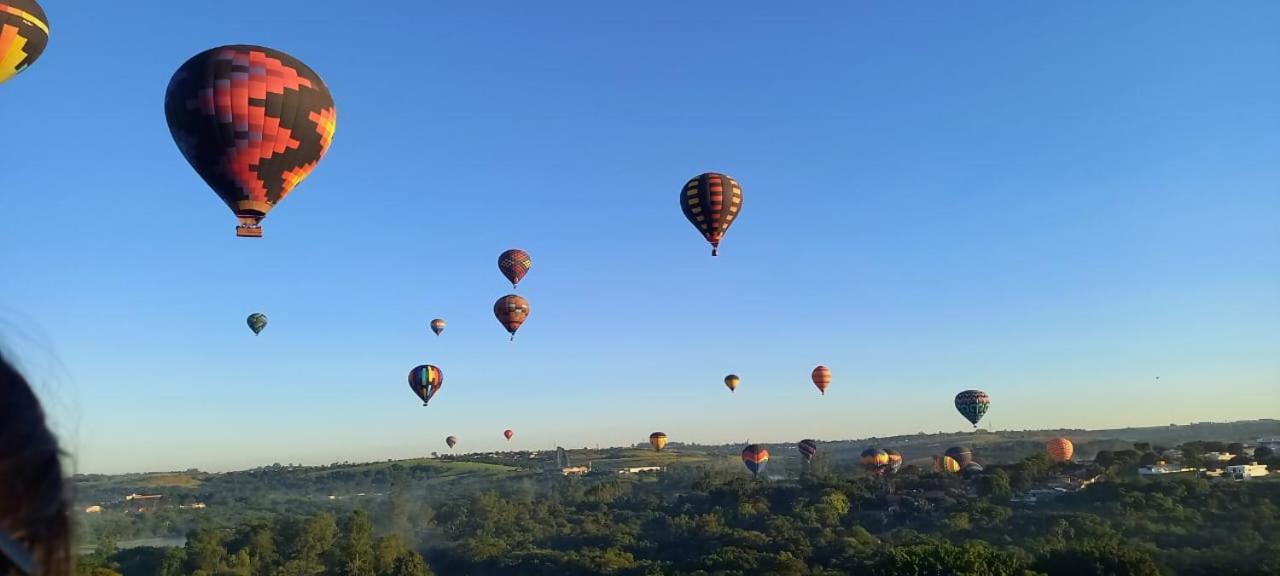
(1247, 471)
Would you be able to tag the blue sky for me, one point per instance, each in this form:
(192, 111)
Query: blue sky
(1055, 204)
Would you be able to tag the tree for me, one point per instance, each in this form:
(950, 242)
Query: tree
(1235, 449)
(355, 549)
(385, 553)
(1263, 453)
(1148, 459)
(995, 486)
(1215, 447)
(1096, 560)
(411, 565)
(1105, 458)
(1142, 446)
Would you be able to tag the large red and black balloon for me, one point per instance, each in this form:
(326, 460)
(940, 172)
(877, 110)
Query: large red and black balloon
(711, 202)
(253, 122)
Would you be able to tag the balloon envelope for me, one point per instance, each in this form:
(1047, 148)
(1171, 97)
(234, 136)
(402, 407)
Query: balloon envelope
(972, 404)
(24, 33)
(514, 264)
(658, 440)
(257, 321)
(808, 449)
(711, 202)
(731, 382)
(755, 457)
(253, 122)
(960, 454)
(425, 381)
(821, 378)
(451, 441)
(1059, 449)
(511, 311)
(438, 325)
(508, 433)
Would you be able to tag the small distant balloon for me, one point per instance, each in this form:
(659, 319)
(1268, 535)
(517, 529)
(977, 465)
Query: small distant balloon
(257, 321)
(731, 382)
(658, 440)
(822, 378)
(425, 381)
(808, 449)
(438, 325)
(755, 457)
(511, 311)
(451, 441)
(514, 264)
(508, 433)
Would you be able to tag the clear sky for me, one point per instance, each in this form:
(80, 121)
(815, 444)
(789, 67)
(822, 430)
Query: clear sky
(1054, 203)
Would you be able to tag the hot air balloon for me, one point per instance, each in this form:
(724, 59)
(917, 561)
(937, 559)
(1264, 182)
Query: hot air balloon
(950, 464)
(731, 382)
(972, 404)
(253, 122)
(755, 457)
(822, 378)
(511, 311)
(514, 264)
(658, 440)
(1059, 449)
(808, 449)
(508, 433)
(711, 202)
(24, 33)
(451, 441)
(895, 460)
(257, 321)
(425, 381)
(874, 459)
(971, 469)
(438, 325)
(960, 454)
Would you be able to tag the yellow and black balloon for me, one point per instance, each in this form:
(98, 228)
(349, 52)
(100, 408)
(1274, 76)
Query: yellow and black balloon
(24, 33)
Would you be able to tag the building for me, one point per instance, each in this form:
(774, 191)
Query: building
(639, 469)
(1272, 442)
(574, 470)
(1247, 471)
(95, 509)
(1219, 456)
(1159, 469)
(143, 497)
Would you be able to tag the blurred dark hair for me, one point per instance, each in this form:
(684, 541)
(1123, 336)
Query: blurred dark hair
(34, 513)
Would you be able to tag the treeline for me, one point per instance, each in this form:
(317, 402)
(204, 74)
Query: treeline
(284, 546)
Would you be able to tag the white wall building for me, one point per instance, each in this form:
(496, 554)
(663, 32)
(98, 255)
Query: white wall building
(1247, 471)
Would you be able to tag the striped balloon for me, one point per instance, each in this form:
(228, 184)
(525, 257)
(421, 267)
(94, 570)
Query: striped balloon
(1059, 449)
(821, 378)
(973, 404)
(755, 457)
(950, 464)
(808, 449)
(960, 454)
(514, 264)
(711, 202)
(895, 459)
(425, 381)
(438, 325)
